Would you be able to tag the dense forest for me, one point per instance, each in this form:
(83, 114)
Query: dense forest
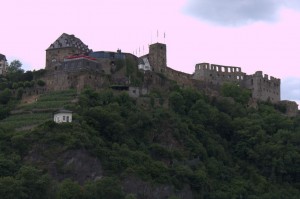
(197, 147)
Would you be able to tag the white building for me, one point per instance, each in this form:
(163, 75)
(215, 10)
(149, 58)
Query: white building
(62, 116)
(144, 63)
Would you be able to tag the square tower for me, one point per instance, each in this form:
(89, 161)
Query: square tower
(66, 45)
(158, 57)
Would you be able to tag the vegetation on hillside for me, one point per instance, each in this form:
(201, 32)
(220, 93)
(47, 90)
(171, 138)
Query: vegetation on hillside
(211, 147)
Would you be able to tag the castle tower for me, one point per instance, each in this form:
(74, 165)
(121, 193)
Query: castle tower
(263, 87)
(64, 46)
(158, 57)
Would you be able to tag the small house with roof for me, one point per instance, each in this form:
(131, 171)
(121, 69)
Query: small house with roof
(62, 115)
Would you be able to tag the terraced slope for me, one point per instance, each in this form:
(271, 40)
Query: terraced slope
(28, 115)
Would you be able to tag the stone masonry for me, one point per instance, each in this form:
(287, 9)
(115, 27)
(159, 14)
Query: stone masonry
(75, 65)
(261, 86)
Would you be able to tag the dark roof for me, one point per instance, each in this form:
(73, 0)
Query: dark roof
(2, 57)
(63, 111)
(66, 40)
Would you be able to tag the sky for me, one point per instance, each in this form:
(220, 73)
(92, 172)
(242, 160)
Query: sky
(256, 35)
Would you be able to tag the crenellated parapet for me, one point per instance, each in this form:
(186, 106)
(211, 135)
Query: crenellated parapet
(70, 63)
(263, 87)
(218, 74)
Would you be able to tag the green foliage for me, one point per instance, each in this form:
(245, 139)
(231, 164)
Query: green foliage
(5, 96)
(41, 82)
(20, 92)
(11, 188)
(69, 190)
(35, 184)
(236, 92)
(217, 147)
(104, 188)
(15, 67)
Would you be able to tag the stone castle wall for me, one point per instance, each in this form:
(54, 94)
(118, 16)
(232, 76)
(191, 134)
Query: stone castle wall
(263, 87)
(218, 74)
(63, 80)
(63, 74)
(183, 79)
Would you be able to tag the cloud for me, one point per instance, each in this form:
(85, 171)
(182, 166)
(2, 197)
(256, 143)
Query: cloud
(238, 12)
(290, 89)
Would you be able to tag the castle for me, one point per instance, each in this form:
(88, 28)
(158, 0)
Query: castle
(71, 64)
(261, 86)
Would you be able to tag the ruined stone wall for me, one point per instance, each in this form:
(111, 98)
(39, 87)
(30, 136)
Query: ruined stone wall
(218, 74)
(136, 92)
(291, 108)
(3, 67)
(262, 87)
(64, 80)
(183, 79)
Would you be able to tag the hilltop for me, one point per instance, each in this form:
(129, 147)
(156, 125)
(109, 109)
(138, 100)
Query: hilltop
(121, 147)
(142, 130)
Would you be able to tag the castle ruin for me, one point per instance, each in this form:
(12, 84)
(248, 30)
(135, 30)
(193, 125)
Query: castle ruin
(261, 86)
(70, 63)
(3, 64)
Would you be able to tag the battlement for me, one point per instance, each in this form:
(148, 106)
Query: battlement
(263, 87)
(218, 68)
(218, 74)
(265, 77)
(69, 54)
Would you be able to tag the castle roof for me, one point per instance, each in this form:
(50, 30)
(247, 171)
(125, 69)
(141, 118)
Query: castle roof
(2, 57)
(63, 111)
(67, 41)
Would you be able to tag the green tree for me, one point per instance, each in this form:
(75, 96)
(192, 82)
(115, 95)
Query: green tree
(105, 188)
(10, 188)
(69, 190)
(15, 67)
(5, 96)
(35, 184)
(176, 102)
(236, 92)
(41, 82)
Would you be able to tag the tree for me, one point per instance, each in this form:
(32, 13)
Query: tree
(69, 190)
(236, 92)
(35, 184)
(41, 82)
(15, 66)
(5, 96)
(11, 188)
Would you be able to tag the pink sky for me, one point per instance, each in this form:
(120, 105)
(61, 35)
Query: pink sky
(30, 26)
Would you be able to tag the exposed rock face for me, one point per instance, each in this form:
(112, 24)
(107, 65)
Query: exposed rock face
(77, 165)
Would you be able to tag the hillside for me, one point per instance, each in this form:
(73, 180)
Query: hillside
(197, 147)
